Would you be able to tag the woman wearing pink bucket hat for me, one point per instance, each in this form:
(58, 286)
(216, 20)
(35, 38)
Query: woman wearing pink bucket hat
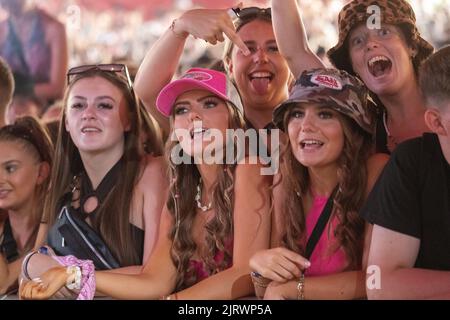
(385, 56)
(217, 214)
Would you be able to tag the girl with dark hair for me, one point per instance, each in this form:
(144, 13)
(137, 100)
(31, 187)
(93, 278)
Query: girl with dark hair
(25, 160)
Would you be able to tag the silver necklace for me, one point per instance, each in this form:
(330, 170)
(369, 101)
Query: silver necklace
(198, 196)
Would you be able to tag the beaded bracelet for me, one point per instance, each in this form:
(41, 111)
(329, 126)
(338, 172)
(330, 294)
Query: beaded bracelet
(259, 280)
(301, 287)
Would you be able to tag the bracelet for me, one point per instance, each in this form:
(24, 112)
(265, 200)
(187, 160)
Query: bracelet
(170, 297)
(178, 35)
(73, 282)
(259, 280)
(301, 287)
(25, 264)
(87, 275)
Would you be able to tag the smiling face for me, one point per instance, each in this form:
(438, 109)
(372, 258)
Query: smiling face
(96, 116)
(196, 114)
(263, 76)
(19, 175)
(316, 135)
(381, 57)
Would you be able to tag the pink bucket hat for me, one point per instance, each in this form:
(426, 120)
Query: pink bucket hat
(198, 78)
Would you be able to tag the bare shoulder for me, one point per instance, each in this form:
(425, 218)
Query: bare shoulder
(376, 162)
(251, 168)
(154, 169)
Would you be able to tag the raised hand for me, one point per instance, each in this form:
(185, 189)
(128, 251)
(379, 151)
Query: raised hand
(210, 25)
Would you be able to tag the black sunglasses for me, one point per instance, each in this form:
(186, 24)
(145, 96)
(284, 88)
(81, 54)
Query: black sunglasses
(118, 68)
(252, 12)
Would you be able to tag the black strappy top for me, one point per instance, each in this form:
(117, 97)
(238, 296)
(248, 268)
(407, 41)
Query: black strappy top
(9, 246)
(102, 191)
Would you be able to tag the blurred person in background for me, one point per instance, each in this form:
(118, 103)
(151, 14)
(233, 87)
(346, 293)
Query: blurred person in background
(6, 89)
(34, 44)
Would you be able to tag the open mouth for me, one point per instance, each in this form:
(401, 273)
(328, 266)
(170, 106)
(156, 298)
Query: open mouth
(260, 80)
(311, 144)
(89, 129)
(197, 132)
(4, 193)
(379, 66)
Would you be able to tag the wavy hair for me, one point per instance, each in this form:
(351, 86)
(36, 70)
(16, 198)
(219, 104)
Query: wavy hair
(352, 182)
(112, 219)
(185, 178)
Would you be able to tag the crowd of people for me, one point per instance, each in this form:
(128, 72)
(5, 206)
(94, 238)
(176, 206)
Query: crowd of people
(154, 184)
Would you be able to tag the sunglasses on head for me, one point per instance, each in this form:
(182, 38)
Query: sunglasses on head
(118, 68)
(252, 12)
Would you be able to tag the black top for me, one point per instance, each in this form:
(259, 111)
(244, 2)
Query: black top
(381, 135)
(56, 240)
(102, 191)
(412, 196)
(8, 246)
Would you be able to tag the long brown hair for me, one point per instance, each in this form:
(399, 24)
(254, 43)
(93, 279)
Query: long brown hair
(352, 182)
(184, 180)
(112, 219)
(28, 133)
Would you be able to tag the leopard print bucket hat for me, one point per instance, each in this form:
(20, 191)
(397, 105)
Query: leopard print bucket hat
(395, 12)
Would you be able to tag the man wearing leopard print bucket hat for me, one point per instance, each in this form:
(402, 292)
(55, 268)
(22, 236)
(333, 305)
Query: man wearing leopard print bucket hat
(379, 42)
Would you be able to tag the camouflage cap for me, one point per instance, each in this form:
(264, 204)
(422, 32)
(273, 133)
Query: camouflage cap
(332, 88)
(395, 12)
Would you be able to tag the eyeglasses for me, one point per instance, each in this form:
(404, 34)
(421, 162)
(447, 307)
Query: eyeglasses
(252, 12)
(118, 68)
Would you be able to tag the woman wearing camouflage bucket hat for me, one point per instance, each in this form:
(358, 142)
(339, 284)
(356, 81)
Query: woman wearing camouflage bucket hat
(380, 43)
(326, 170)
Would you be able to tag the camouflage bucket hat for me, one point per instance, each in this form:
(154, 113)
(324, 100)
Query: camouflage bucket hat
(332, 88)
(395, 12)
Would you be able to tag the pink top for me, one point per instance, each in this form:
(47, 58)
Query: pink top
(325, 259)
(199, 271)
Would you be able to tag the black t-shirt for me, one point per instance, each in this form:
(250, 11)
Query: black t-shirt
(381, 135)
(412, 196)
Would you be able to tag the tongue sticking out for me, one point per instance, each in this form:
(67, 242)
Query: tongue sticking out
(260, 85)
